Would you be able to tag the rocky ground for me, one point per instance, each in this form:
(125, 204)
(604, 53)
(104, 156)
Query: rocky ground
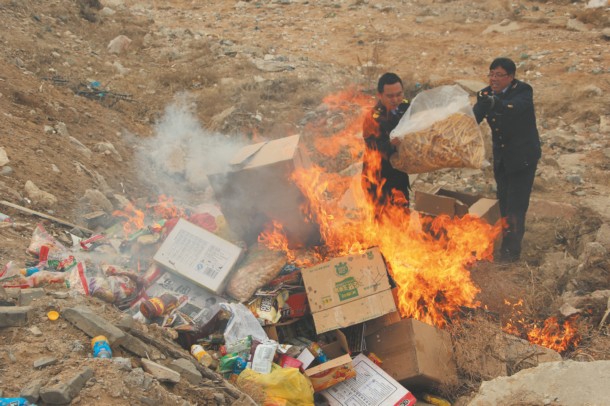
(104, 103)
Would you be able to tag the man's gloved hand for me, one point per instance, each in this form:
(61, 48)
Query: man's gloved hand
(487, 101)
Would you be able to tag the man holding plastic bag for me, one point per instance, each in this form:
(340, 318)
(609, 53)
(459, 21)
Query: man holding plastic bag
(382, 184)
(508, 106)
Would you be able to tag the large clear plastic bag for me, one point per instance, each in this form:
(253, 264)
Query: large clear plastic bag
(438, 131)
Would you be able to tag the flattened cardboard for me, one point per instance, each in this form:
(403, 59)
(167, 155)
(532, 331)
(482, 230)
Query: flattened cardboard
(198, 255)
(371, 386)
(414, 353)
(330, 373)
(257, 189)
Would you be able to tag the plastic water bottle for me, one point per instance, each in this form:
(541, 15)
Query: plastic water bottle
(101, 348)
(15, 402)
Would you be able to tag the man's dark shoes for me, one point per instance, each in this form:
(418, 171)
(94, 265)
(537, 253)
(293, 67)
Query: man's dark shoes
(507, 257)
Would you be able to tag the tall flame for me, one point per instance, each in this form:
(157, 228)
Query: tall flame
(428, 258)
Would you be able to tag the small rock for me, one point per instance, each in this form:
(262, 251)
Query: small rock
(44, 362)
(119, 44)
(62, 129)
(35, 331)
(80, 147)
(6, 170)
(39, 196)
(3, 157)
(98, 201)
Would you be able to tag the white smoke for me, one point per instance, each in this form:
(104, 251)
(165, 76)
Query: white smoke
(176, 159)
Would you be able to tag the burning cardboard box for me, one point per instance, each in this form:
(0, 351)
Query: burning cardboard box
(414, 353)
(257, 189)
(198, 255)
(348, 290)
(444, 201)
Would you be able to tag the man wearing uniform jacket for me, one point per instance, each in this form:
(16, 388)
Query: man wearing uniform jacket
(382, 184)
(508, 106)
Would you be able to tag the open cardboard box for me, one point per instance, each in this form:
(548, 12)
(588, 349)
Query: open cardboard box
(257, 189)
(348, 290)
(443, 201)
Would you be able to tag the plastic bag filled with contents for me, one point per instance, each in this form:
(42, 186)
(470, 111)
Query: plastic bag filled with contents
(438, 131)
(282, 386)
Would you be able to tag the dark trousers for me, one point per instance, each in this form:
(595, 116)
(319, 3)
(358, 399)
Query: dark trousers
(513, 193)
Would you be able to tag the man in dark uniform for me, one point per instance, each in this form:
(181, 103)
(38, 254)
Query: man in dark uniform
(382, 184)
(508, 106)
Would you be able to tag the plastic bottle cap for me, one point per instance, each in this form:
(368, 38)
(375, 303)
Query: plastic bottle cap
(53, 315)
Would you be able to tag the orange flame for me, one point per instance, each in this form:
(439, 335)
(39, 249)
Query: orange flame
(552, 334)
(134, 218)
(347, 138)
(275, 239)
(428, 258)
(555, 336)
(165, 208)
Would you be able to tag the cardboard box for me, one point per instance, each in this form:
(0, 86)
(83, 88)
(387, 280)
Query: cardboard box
(348, 290)
(198, 255)
(444, 201)
(371, 386)
(257, 189)
(351, 313)
(330, 373)
(414, 353)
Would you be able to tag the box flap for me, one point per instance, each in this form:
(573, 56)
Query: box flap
(433, 204)
(271, 152)
(487, 209)
(244, 154)
(344, 359)
(467, 198)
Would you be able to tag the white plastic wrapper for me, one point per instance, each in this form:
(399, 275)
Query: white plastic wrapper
(438, 131)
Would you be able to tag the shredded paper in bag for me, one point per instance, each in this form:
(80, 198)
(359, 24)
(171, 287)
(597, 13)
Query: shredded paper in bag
(438, 131)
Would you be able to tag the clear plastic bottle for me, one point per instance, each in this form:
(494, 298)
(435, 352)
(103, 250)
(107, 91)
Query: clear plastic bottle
(101, 347)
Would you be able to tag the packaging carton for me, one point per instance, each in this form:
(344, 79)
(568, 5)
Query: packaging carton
(444, 201)
(330, 373)
(371, 386)
(257, 189)
(198, 255)
(415, 354)
(348, 290)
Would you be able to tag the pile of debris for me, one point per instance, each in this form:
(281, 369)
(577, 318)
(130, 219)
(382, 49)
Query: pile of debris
(261, 326)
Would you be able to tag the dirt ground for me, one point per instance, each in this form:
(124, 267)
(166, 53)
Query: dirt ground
(253, 70)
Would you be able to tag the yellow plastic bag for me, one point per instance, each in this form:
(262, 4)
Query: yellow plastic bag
(281, 387)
